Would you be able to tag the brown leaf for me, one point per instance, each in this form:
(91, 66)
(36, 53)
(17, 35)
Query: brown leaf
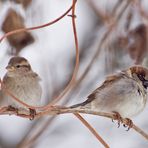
(25, 3)
(14, 21)
(137, 43)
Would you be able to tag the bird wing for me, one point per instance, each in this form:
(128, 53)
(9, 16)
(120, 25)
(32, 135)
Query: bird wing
(119, 95)
(109, 81)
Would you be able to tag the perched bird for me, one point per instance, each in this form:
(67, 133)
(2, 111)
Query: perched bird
(23, 83)
(124, 93)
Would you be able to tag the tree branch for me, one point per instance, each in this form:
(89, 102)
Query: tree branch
(55, 110)
(92, 130)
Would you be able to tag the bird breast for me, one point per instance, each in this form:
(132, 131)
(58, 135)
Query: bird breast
(25, 88)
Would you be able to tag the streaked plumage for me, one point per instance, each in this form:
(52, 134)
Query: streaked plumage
(22, 82)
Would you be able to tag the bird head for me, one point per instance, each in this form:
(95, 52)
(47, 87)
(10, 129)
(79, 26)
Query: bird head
(140, 74)
(17, 66)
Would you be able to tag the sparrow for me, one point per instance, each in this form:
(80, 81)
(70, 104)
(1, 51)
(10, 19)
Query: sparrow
(124, 93)
(23, 83)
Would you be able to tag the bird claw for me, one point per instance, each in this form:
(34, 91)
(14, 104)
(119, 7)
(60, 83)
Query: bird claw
(32, 113)
(117, 117)
(128, 123)
(12, 109)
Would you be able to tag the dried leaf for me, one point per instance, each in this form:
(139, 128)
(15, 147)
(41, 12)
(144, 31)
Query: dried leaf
(14, 21)
(25, 3)
(137, 43)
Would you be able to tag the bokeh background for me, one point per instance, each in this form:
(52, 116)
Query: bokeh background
(112, 36)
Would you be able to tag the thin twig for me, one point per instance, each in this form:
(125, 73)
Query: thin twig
(101, 43)
(116, 7)
(74, 77)
(76, 63)
(72, 81)
(29, 141)
(141, 10)
(92, 130)
(99, 12)
(119, 16)
(61, 110)
(29, 133)
(64, 110)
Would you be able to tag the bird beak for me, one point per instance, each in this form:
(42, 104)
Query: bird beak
(10, 68)
(146, 83)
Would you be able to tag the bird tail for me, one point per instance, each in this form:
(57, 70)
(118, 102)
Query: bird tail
(81, 107)
(76, 105)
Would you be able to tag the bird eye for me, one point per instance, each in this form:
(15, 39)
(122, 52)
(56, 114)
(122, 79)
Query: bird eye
(141, 77)
(17, 66)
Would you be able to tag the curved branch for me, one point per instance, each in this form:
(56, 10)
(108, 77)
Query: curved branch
(92, 130)
(76, 63)
(70, 84)
(55, 110)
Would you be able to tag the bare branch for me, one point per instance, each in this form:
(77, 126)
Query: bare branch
(54, 110)
(92, 130)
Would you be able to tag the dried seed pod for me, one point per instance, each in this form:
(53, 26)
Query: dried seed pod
(25, 3)
(14, 21)
(137, 43)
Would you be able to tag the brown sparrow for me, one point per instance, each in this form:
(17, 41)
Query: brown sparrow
(124, 93)
(22, 82)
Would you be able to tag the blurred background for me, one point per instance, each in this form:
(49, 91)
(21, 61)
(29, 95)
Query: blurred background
(112, 36)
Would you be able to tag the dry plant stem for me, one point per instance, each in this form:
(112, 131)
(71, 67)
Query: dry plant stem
(30, 141)
(108, 115)
(33, 139)
(98, 11)
(75, 70)
(36, 136)
(30, 131)
(116, 7)
(72, 81)
(78, 82)
(63, 110)
(77, 56)
(141, 10)
(76, 64)
(74, 77)
(92, 130)
(123, 10)
(102, 41)
(138, 130)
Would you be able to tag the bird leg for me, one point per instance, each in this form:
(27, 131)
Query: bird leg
(117, 117)
(32, 113)
(128, 123)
